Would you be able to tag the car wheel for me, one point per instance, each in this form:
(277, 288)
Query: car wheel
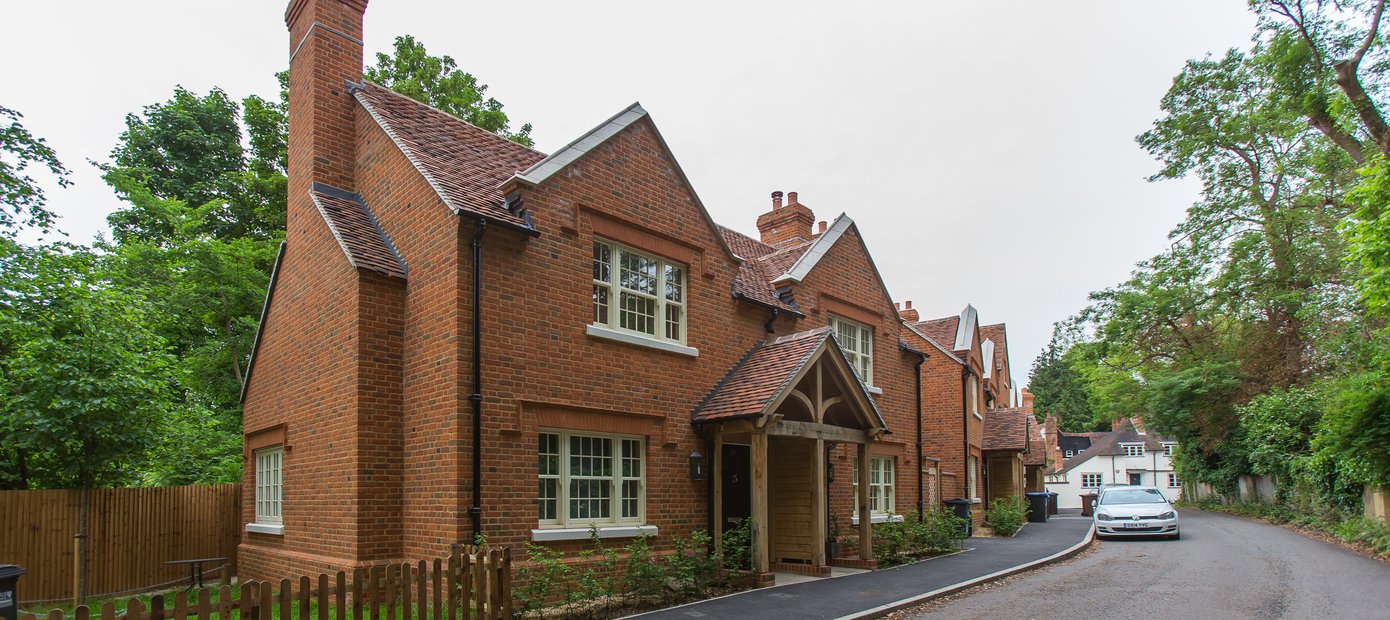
(1176, 535)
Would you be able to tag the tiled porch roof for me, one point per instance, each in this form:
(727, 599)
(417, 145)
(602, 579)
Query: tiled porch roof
(1005, 429)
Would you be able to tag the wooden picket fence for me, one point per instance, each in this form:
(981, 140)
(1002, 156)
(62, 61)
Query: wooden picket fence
(472, 582)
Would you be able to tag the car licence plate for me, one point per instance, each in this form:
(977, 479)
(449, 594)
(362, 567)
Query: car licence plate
(1134, 525)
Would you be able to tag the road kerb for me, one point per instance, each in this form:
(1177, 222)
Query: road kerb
(885, 609)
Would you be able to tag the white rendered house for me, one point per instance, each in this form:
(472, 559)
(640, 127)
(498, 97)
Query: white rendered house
(1125, 456)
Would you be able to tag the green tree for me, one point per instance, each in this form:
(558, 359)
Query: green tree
(1058, 387)
(83, 380)
(22, 201)
(436, 80)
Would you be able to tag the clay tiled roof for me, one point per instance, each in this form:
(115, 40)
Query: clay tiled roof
(782, 260)
(1005, 429)
(464, 164)
(760, 377)
(754, 279)
(362, 239)
(943, 331)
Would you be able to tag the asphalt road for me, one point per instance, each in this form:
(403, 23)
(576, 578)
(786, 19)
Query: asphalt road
(1224, 567)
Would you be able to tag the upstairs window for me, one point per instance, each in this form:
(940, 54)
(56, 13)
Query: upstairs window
(975, 397)
(1134, 449)
(1167, 449)
(638, 293)
(857, 341)
(1070, 454)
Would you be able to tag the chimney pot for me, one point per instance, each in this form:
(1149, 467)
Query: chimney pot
(909, 304)
(821, 227)
(897, 306)
(776, 200)
(791, 198)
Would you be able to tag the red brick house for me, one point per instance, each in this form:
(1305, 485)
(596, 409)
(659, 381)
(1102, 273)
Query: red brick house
(466, 337)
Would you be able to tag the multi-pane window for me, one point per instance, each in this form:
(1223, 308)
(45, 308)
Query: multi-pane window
(589, 479)
(1070, 454)
(269, 465)
(638, 293)
(880, 484)
(972, 476)
(857, 341)
(975, 396)
(1167, 449)
(1090, 481)
(1173, 481)
(1134, 449)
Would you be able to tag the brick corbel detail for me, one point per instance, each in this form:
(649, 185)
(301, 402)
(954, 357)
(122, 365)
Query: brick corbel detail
(536, 415)
(264, 438)
(840, 307)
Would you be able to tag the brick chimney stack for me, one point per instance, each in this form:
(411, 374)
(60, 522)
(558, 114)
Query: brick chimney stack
(325, 53)
(1052, 438)
(908, 313)
(1027, 398)
(785, 225)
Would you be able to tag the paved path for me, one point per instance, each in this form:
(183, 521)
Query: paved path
(853, 594)
(1224, 567)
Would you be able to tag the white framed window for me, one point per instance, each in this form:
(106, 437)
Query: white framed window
(1091, 481)
(972, 478)
(1070, 454)
(1134, 449)
(857, 341)
(880, 484)
(975, 397)
(638, 293)
(590, 479)
(1167, 449)
(1173, 481)
(269, 470)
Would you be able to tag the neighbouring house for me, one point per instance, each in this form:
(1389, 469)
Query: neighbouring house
(1125, 455)
(464, 337)
(954, 396)
(1005, 450)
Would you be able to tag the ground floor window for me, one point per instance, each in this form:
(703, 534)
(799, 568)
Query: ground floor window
(590, 479)
(880, 484)
(1173, 481)
(269, 466)
(972, 477)
(1090, 481)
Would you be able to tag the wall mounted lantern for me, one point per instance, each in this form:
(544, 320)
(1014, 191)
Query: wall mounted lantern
(697, 466)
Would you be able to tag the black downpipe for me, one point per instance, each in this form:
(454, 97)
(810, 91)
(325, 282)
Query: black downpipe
(475, 512)
(921, 359)
(965, 430)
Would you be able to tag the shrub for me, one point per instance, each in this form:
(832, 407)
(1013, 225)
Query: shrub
(918, 534)
(736, 546)
(546, 572)
(1005, 515)
(1373, 533)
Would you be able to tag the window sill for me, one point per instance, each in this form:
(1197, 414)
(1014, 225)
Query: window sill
(582, 533)
(597, 331)
(854, 519)
(876, 391)
(274, 529)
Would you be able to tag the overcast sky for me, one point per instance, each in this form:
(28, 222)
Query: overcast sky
(985, 149)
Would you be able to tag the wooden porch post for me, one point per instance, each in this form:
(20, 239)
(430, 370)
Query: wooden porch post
(761, 544)
(818, 505)
(866, 528)
(718, 472)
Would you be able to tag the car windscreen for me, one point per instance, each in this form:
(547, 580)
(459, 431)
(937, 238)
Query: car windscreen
(1132, 496)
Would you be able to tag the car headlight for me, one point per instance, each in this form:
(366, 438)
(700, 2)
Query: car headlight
(1104, 517)
(1168, 515)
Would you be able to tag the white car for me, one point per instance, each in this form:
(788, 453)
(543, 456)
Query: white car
(1135, 511)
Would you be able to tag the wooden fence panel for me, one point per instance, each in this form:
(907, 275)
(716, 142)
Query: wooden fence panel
(401, 591)
(131, 533)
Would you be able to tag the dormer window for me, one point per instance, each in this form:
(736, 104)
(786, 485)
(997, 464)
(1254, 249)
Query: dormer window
(1134, 449)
